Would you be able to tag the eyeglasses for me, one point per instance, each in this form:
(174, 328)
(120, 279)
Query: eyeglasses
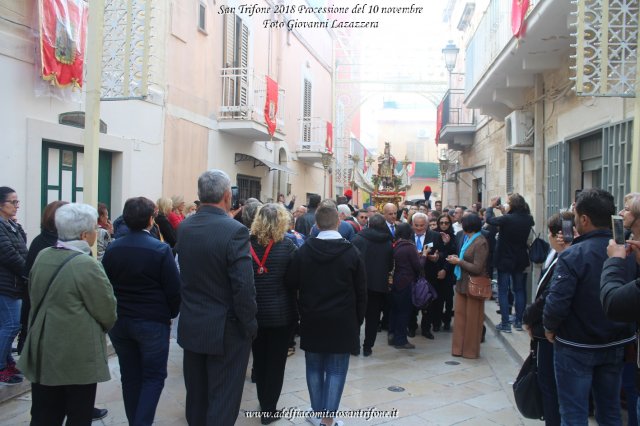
(444, 223)
(16, 203)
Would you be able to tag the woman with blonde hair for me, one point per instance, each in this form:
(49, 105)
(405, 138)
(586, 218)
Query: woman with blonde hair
(177, 211)
(272, 254)
(165, 205)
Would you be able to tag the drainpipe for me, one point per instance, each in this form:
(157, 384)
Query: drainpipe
(538, 170)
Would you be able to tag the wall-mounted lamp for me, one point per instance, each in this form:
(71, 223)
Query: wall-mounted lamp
(450, 53)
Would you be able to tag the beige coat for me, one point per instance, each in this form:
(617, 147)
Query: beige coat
(66, 344)
(474, 263)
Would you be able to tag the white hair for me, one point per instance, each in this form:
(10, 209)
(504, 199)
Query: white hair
(344, 209)
(74, 219)
(419, 215)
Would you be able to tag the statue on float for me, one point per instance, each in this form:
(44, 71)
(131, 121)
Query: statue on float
(386, 186)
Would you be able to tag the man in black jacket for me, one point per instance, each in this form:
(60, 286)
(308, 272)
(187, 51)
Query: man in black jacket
(588, 347)
(329, 274)
(305, 222)
(375, 247)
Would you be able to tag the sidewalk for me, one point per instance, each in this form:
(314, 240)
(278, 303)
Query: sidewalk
(427, 386)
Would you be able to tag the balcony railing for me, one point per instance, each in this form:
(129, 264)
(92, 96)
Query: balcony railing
(244, 96)
(489, 40)
(454, 113)
(313, 135)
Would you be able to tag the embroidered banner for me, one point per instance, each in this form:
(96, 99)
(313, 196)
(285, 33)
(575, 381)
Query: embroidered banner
(271, 105)
(63, 30)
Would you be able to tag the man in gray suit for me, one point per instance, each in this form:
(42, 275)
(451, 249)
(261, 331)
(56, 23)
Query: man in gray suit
(218, 312)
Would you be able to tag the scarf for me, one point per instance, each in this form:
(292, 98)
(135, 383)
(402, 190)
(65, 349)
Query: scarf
(458, 270)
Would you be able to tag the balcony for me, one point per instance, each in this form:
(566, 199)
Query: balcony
(458, 122)
(242, 109)
(500, 68)
(314, 140)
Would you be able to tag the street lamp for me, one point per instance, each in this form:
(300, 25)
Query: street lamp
(326, 162)
(450, 53)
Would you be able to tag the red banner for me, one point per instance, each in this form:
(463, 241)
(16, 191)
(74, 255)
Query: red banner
(329, 143)
(271, 105)
(518, 12)
(439, 121)
(63, 30)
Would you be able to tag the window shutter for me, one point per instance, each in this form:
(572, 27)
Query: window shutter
(244, 64)
(306, 112)
(616, 160)
(509, 172)
(229, 40)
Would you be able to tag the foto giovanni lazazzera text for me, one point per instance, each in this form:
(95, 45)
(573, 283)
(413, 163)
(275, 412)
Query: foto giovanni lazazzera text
(292, 413)
(293, 16)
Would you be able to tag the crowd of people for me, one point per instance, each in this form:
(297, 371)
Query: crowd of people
(247, 278)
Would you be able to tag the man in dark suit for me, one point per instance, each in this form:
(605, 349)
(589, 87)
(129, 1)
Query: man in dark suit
(429, 244)
(305, 222)
(218, 313)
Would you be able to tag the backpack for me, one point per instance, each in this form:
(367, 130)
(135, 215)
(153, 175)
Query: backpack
(538, 250)
(422, 293)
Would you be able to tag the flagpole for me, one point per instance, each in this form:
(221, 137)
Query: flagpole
(93, 58)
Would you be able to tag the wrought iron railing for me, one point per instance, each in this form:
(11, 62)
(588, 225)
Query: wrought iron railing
(454, 113)
(313, 135)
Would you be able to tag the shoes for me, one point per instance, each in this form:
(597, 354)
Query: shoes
(436, 328)
(11, 368)
(355, 352)
(446, 326)
(428, 335)
(390, 339)
(292, 350)
(505, 328)
(405, 346)
(9, 378)
(366, 351)
(99, 413)
(411, 333)
(518, 326)
(314, 420)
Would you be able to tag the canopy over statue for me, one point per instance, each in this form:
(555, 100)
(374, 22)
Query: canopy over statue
(386, 186)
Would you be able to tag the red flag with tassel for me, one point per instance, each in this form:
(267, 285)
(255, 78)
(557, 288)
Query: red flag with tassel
(271, 106)
(329, 143)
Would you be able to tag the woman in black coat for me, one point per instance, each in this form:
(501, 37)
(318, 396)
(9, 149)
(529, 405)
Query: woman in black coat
(272, 254)
(446, 280)
(374, 243)
(511, 256)
(406, 270)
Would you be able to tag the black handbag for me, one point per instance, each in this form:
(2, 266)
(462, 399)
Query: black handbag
(538, 250)
(526, 390)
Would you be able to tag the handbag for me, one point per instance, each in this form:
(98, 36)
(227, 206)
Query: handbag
(422, 293)
(525, 389)
(479, 287)
(538, 250)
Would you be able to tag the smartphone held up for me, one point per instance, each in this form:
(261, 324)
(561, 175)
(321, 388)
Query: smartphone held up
(618, 229)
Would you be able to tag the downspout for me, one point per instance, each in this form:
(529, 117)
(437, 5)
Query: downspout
(538, 171)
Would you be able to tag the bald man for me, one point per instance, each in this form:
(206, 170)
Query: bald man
(390, 213)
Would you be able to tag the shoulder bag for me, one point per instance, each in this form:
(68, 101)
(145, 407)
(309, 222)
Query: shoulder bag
(526, 391)
(53, 277)
(538, 249)
(479, 287)
(422, 293)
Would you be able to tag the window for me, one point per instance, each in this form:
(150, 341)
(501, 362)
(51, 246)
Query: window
(306, 111)
(235, 61)
(202, 16)
(509, 172)
(248, 187)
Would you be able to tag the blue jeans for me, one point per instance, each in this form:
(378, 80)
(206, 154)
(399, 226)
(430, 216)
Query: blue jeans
(631, 393)
(516, 279)
(9, 327)
(401, 309)
(547, 383)
(142, 347)
(579, 371)
(326, 374)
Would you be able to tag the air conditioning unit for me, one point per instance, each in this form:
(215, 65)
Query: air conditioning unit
(518, 128)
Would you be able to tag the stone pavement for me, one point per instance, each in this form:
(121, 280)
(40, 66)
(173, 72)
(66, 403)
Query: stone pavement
(437, 389)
